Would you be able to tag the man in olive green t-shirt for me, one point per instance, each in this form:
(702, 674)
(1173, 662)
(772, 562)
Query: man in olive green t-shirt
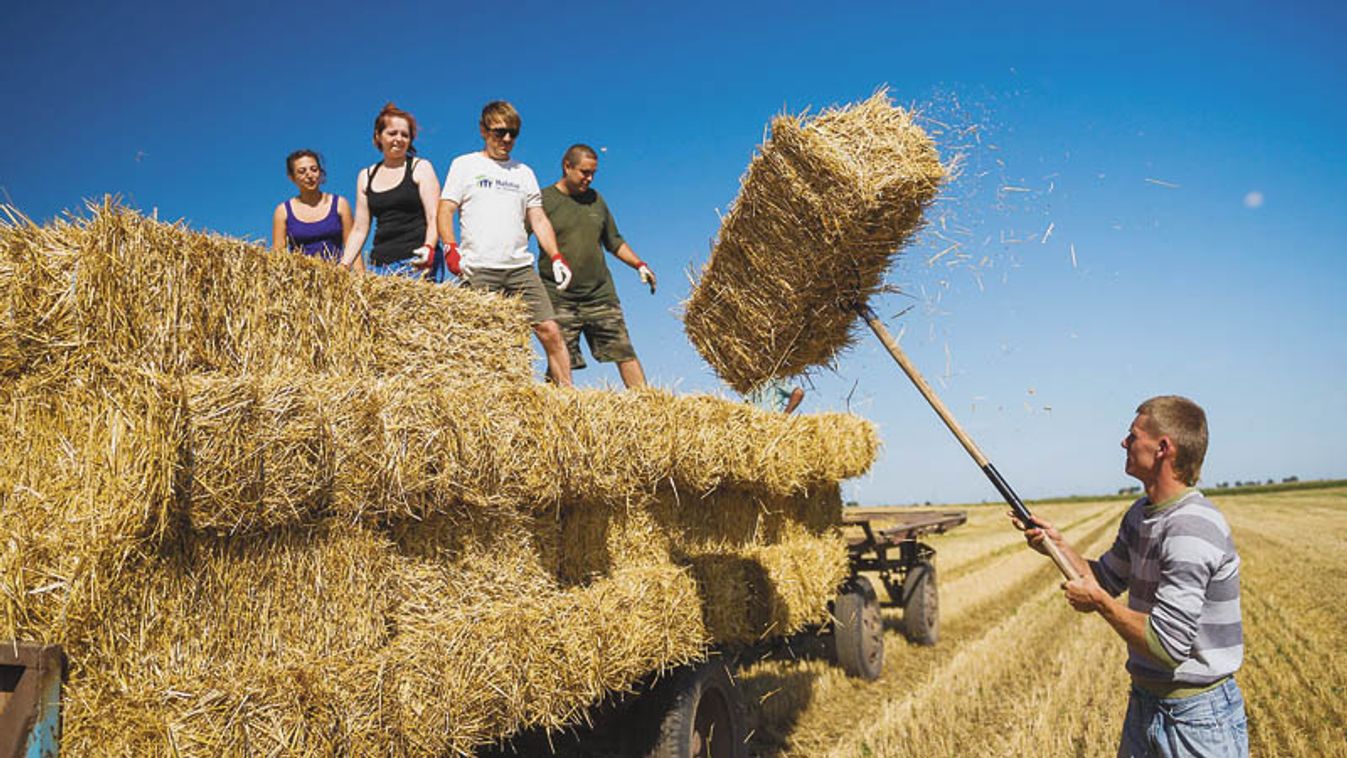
(585, 228)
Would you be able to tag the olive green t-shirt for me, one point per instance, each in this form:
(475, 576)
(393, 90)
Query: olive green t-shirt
(585, 228)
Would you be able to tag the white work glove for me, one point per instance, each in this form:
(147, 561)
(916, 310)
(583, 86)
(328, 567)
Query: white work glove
(422, 257)
(647, 276)
(561, 271)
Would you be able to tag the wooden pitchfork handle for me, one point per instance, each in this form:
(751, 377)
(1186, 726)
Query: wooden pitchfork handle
(1013, 500)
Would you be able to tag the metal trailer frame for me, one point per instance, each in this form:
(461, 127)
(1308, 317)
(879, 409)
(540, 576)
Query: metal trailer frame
(31, 676)
(873, 552)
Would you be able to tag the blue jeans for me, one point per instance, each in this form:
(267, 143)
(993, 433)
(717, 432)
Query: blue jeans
(1210, 724)
(438, 273)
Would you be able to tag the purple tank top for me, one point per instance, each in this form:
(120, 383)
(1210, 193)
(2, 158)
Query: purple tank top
(318, 238)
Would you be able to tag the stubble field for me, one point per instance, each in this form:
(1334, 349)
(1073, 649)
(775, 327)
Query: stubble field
(1017, 672)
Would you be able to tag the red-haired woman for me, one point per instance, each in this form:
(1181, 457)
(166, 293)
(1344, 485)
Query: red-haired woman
(313, 222)
(401, 194)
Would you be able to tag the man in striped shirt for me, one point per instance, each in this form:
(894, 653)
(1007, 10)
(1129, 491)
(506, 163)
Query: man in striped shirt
(1175, 557)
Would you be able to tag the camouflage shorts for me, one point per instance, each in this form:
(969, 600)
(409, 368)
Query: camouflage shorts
(604, 328)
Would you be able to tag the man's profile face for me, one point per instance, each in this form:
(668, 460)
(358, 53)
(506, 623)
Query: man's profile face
(1141, 447)
(500, 138)
(578, 177)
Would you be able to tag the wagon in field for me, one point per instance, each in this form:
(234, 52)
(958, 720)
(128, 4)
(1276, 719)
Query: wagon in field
(886, 542)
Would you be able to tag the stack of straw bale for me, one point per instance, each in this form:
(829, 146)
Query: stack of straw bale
(152, 296)
(272, 508)
(827, 203)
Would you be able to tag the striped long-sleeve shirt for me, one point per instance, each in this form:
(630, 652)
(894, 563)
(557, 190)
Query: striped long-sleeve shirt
(1177, 561)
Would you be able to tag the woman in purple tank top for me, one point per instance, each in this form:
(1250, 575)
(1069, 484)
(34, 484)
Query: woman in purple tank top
(313, 222)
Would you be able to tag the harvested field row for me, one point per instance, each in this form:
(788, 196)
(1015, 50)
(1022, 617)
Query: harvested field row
(988, 538)
(1294, 676)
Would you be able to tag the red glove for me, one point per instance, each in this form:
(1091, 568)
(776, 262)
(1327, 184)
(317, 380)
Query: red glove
(452, 259)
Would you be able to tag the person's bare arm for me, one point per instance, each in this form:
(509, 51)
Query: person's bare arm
(355, 239)
(542, 229)
(1085, 595)
(344, 213)
(444, 220)
(428, 186)
(628, 256)
(278, 242)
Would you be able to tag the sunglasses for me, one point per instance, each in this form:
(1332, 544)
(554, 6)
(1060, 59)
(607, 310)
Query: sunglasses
(501, 131)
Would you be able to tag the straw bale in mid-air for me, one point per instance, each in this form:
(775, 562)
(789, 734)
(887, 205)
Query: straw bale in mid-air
(826, 205)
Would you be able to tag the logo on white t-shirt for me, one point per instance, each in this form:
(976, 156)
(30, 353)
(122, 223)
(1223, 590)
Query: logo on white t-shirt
(497, 183)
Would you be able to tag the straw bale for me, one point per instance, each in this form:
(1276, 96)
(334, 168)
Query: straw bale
(269, 452)
(245, 454)
(36, 296)
(764, 565)
(826, 205)
(87, 481)
(319, 634)
(333, 639)
(461, 670)
(160, 297)
(233, 647)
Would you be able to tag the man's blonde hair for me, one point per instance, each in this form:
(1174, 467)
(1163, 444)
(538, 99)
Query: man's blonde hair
(1184, 422)
(502, 111)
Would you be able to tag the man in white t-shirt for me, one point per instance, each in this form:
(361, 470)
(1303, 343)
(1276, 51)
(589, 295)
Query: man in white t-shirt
(493, 197)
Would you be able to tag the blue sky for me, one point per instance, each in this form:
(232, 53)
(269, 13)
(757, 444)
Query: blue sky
(1144, 138)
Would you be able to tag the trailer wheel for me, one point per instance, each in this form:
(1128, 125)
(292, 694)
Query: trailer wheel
(921, 605)
(858, 630)
(703, 716)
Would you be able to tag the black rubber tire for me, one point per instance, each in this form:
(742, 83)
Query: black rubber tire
(858, 630)
(703, 717)
(921, 605)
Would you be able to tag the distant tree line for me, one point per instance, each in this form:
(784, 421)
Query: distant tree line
(1255, 483)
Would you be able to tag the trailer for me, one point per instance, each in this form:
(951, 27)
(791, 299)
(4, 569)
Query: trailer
(886, 542)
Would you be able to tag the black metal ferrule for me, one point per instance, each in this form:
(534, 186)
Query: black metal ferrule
(1013, 500)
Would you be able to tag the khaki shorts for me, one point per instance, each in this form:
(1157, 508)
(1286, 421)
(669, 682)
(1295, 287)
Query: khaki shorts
(603, 326)
(521, 282)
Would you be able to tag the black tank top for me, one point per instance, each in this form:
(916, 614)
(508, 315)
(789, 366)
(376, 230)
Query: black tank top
(400, 221)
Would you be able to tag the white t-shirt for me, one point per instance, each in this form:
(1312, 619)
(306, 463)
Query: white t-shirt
(492, 198)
